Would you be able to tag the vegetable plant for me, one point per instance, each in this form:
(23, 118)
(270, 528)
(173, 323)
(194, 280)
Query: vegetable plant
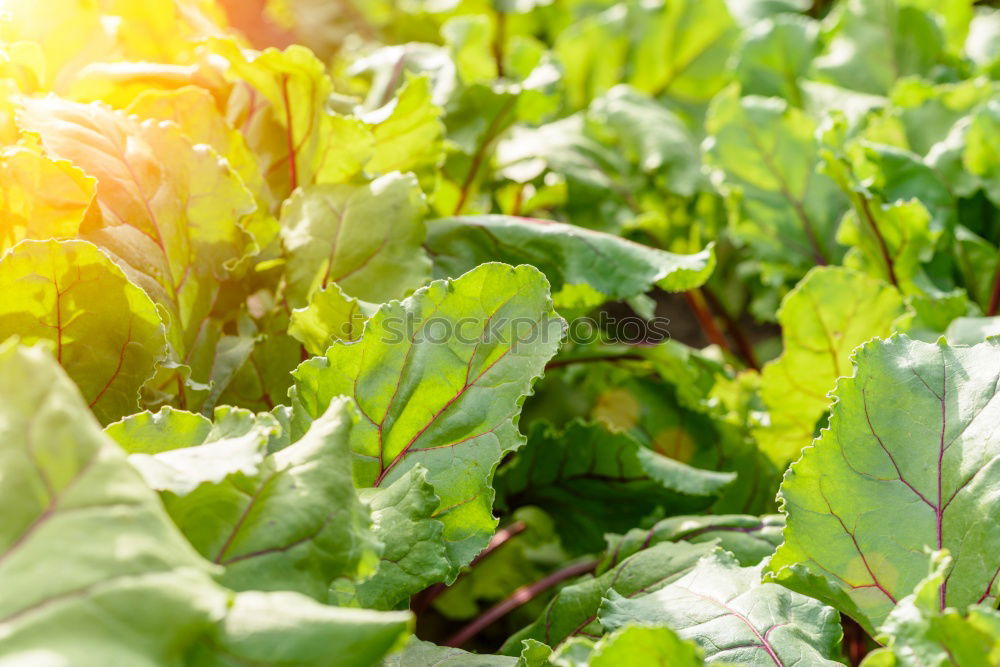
(549, 332)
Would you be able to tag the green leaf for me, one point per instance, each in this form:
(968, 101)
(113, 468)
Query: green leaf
(330, 316)
(749, 538)
(439, 379)
(594, 481)
(284, 628)
(168, 212)
(566, 254)
(366, 238)
(872, 43)
(972, 330)
(909, 461)
(40, 198)
(86, 550)
(682, 49)
(775, 54)
(982, 144)
(765, 157)
(411, 136)
(279, 103)
(829, 313)
(414, 555)
(105, 331)
(734, 617)
(418, 653)
(573, 610)
(918, 632)
(637, 645)
(290, 520)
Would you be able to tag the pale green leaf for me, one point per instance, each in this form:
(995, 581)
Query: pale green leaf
(909, 461)
(635, 645)
(439, 379)
(829, 313)
(104, 330)
(366, 238)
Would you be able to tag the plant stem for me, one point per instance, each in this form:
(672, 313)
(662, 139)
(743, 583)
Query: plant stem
(423, 600)
(498, 42)
(883, 248)
(516, 599)
(734, 329)
(994, 305)
(494, 129)
(696, 301)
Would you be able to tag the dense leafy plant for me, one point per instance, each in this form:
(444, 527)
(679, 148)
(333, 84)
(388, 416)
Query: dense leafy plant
(569, 332)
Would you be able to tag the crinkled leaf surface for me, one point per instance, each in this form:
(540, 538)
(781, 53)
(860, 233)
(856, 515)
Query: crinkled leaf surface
(911, 460)
(330, 316)
(829, 313)
(594, 481)
(290, 520)
(105, 331)
(366, 238)
(566, 254)
(86, 550)
(749, 538)
(573, 610)
(439, 379)
(638, 645)
(411, 136)
(413, 555)
(735, 618)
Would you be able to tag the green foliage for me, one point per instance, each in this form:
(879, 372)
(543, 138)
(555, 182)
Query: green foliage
(308, 264)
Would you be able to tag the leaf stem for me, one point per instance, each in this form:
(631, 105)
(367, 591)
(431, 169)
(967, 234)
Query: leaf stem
(734, 329)
(519, 597)
(696, 301)
(560, 363)
(883, 248)
(423, 600)
(994, 304)
(491, 133)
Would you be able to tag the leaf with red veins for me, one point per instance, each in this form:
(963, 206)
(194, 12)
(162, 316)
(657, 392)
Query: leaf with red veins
(911, 460)
(440, 378)
(104, 330)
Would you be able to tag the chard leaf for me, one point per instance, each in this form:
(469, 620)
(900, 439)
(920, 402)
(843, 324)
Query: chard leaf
(330, 316)
(365, 238)
(749, 538)
(417, 652)
(169, 211)
(86, 549)
(765, 155)
(40, 198)
(439, 379)
(411, 136)
(568, 255)
(290, 520)
(775, 54)
(279, 103)
(829, 313)
(871, 43)
(918, 632)
(909, 462)
(982, 143)
(574, 609)
(594, 481)
(414, 554)
(630, 645)
(283, 628)
(733, 617)
(105, 331)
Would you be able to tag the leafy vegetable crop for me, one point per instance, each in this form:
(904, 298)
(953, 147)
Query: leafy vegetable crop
(548, 332)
